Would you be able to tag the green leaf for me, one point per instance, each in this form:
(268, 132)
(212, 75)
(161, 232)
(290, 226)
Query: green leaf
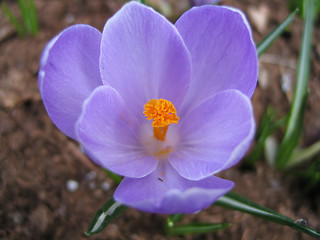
(25, 15)
(236, 202)
(14, 21)
(301, 4)
(33, 18)
(173, 219)
(110, 210)
(195, 228)
(267, 126)
(301, 155)
(29, 15)
(310, 176)
(293, 4)
(317, 8)
(116, 178)
(295, 121)
(268, 40)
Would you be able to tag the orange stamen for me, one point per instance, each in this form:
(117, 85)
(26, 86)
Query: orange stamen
(163, 114)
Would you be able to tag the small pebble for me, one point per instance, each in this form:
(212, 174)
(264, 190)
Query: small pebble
(62, 211)
(105, 186)
(70, 18)
(302, 222)
(264, 78)
(259, 17)
(91, 175)
(271, 147)
(72, 185)
(17, 218)
(275, 184)
(286, 83)
(92, 185)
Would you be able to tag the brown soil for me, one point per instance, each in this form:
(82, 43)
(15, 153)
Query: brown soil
(37, 160)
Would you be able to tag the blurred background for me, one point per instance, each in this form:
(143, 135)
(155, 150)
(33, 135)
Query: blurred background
(50, 190)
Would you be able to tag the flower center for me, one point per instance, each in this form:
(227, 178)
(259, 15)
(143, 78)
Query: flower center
(163, 114)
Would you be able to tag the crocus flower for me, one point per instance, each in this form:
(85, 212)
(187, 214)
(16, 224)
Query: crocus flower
(166, 106)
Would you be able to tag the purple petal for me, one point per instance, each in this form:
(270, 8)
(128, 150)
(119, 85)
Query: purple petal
(44, 59)
(222, 51)
(69, 72)
(165, 191)
(144, 57)
(214, 135)
(109, 134)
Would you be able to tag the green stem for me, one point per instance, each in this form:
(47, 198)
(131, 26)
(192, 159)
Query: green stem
(236, 202)
(268, 40)
(295, 122)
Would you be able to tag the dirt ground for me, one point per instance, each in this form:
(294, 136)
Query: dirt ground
(37, 161)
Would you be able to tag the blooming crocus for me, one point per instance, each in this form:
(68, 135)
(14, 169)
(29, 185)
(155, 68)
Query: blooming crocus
(166, 106)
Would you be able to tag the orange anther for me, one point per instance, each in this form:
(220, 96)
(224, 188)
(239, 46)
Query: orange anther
(163, 114)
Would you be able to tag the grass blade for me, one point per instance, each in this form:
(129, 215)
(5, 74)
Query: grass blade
(114, 177)
(300, 155)
(25, 15)
(33, 17)
(13, 20)
(268, 40)
(110, 210)
(267, 126)
(295, 121)
(236, 202)
(196, 228)
(310, 176)
(173, 219)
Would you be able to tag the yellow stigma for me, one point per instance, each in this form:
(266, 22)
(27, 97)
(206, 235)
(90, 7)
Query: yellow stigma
(163, 114)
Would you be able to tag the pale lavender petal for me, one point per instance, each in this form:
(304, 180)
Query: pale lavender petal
(43, 60)
(46, 50)
(144, 57)
(222, 51)
(69, 72)
(164, 191)
(214, 135)
(109, 134)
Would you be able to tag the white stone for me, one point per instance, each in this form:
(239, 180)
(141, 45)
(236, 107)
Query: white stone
(72, 185)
